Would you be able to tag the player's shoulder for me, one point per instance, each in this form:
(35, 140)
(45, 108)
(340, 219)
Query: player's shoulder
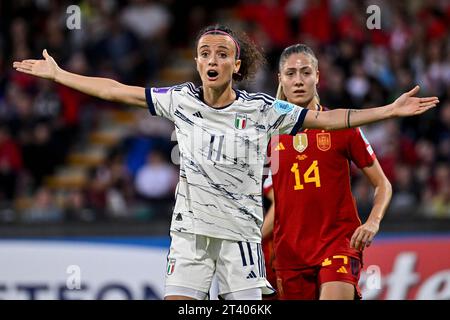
(255, 97)
(182, 87)
(186, 87)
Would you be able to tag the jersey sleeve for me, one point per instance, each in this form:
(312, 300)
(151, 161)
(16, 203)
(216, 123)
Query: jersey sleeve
(161, 101)
(361, 152)
(285, 118)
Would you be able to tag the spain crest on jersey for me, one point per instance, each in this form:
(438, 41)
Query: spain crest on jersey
(323, 141)
(300, 142)
(240, 121)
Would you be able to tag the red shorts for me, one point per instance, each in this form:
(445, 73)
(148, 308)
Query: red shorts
(304, 284)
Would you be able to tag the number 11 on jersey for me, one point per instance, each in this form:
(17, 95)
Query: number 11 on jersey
(310, 175)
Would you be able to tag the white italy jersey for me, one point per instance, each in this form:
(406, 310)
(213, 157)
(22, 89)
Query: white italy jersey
(222, 155)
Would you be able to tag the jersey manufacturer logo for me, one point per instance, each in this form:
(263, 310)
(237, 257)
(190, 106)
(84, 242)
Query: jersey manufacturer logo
(279, 147)
(300, 142)
(240, 121)
(323, 141)
(170, 266)
(342, 270)
(197, 114)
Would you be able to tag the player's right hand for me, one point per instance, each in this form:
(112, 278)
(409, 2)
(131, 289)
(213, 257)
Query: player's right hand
(45, 68)
(364, 234)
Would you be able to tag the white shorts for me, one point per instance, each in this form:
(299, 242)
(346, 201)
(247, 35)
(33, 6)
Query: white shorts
(193, 260)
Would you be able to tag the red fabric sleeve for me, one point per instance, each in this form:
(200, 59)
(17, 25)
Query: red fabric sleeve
(360, 150)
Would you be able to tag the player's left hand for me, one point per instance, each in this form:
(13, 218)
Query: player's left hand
(408, 105)
(364, 234)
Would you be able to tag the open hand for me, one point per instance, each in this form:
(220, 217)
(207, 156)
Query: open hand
(408, 105)
(45, 68)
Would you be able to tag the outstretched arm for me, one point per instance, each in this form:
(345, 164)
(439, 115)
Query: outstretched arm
(103, 88)
(405, 105)
(364, 234)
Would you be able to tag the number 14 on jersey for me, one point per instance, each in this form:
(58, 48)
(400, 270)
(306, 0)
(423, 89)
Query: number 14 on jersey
(311, 175)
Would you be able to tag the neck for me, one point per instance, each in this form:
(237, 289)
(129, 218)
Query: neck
(218, 97)
(311, 104)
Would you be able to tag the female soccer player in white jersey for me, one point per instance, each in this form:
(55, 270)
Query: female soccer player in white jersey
(222, 135)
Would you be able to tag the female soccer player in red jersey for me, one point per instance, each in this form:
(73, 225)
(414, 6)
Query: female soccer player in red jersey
(317, 235)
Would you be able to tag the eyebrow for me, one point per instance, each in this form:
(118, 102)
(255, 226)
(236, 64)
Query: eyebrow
(220, 46)
(301, 68)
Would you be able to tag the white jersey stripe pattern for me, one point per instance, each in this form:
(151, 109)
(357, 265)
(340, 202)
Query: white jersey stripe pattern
(222, 155)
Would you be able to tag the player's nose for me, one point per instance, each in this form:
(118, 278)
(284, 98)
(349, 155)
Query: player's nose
(212, 60)
(298, 81)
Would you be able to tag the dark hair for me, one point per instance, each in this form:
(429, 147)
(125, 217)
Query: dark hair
(251, 57)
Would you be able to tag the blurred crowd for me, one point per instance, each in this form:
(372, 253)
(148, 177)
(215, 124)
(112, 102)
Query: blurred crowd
(136, 41)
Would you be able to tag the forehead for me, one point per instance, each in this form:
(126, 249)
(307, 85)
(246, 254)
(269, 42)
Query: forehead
(298, 60)
(215, 41)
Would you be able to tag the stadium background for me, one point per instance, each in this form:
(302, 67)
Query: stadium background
(86, 187)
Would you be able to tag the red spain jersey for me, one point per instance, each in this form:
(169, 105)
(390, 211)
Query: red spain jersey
(315, 211)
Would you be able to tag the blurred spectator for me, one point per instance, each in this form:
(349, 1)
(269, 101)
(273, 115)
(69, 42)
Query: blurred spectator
(96, 194)
(438, 204)
(358, 84)
(120, 193)
(76, 207)
(405, 198)
(10, 164)
(335, 95)
(363, 192)
(315, 22)
(44, 208)
(272, 18)
(149, 19)
(156, 180)
(41, 155)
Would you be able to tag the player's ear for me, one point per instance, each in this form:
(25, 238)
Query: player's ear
(237, 65)
(317, 76)
(279, 77)
(196, 64)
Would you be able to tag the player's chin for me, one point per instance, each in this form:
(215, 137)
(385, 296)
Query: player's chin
(299, 101)
(214, 83)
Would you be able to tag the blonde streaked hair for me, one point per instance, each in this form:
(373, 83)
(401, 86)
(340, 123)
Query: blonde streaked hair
(287, 52)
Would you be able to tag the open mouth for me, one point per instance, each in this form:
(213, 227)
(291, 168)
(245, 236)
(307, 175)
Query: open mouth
(212, 74)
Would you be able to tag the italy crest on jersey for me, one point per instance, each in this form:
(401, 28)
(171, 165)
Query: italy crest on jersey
(323, 141)
(300, 142)
(240, 121)
(170, 266)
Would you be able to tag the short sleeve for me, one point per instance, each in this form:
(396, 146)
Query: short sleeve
(361, 152)
(285, 118)
(160, 101)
